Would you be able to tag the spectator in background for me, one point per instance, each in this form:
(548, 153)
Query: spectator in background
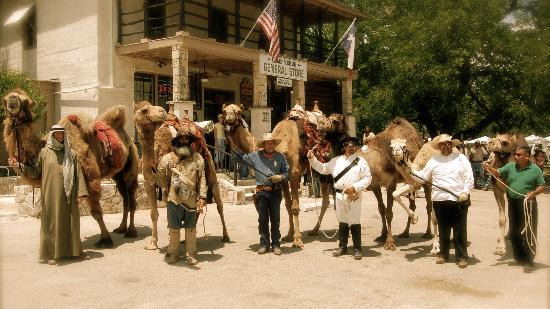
(476, 155)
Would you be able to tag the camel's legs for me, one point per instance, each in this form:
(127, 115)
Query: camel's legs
(390, 243)
(412, 206)
(499, 196)
(127, 186)
(288, 204)
(149, 186)
(406, 189)
(216, 192)
(324, 205)
(97, 214)
(295, 207)
(382, 210)
(429, 211)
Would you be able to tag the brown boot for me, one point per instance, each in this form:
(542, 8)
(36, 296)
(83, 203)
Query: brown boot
(173, 251)
(191, 246)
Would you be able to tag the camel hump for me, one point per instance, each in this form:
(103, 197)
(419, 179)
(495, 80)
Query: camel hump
(115, 117)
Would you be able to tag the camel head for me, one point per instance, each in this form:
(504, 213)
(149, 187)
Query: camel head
(502, 143)
(17, 104)
(232, 114)
(336, 125)
(147, 114)
(398, 149)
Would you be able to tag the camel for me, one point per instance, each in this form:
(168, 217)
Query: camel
(21, 144)
(87, 137)
(384, 173)
(294, 147)
(502, 148)
(154, 127)
(405, 164)
(237, 134)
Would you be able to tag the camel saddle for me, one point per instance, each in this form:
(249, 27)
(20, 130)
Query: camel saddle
(111, 145)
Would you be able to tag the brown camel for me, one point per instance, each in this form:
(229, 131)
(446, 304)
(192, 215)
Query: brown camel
(87, 138)
(154, 125)
(384, 173)
(22, 145)
(502, 147)
(237, 134)
(294, 146)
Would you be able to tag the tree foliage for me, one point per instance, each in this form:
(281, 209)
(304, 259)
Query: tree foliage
(453, 66)
(13, 79)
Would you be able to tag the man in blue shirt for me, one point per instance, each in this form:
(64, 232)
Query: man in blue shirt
(271, 169)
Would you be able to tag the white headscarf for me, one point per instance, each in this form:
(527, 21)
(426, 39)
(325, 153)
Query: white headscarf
(68, 163)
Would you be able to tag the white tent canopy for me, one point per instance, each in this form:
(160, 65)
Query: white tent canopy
(482, 140)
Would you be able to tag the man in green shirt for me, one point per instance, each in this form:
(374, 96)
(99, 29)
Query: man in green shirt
(524, 178)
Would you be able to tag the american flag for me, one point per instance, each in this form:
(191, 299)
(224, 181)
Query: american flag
(268, 21)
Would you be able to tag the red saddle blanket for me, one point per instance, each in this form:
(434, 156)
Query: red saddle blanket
(111, 145)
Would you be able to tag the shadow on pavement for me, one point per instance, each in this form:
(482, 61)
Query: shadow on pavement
(118, 239)
(89, 253)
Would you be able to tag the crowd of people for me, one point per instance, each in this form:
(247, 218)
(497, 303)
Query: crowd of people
(452, 174)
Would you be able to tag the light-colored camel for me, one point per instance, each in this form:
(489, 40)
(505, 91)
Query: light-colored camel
(385, 174)
(153, 125)
(237, 134)
(502, 147)
(405, 165)
(81, 134)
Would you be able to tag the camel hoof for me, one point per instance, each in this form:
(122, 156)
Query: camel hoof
(131, 233)
(151, 246)
(287, 238)
(414, 219)
(120, 230)
(499, 251)
(390, 245)
(404, 235)
(427, 236)
(298, 243)
(381, 238)
(104, 243)
(314, 232)
(225, 238)
(435, 249)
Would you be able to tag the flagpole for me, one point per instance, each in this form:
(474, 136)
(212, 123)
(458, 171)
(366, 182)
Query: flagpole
(242, 44)
(344, 35)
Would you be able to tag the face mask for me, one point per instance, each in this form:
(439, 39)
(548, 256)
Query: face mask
(183, 152)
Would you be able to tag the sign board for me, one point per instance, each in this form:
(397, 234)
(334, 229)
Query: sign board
(285, 82)
(286, 68)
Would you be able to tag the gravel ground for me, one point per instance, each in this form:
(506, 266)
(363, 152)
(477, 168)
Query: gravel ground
(233, 275)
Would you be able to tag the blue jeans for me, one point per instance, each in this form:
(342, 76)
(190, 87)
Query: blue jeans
(479, 180)
(219, 155)
(269, 209)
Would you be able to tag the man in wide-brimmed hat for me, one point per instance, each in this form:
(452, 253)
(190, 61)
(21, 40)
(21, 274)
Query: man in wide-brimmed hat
(271, 169)
(351, 175)
(452, 177)
(182, 169)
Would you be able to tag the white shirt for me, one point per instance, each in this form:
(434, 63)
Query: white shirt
(452, 172)
(364, 148)
(359, 176)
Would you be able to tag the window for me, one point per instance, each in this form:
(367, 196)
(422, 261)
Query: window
(143, 87)
(155, 19)
(29, 28)
(217, 25)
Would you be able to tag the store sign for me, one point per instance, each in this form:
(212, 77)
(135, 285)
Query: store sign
(285, 82)
(286, 68)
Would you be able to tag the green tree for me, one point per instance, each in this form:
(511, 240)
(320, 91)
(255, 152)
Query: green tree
(453, 66)
(13, 79)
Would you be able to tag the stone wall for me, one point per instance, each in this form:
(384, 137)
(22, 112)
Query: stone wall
(7, 184)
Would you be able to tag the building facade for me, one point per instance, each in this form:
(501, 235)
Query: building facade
(107, 52)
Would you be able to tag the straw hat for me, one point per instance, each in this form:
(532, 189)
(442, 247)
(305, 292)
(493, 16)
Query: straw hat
(267, 137)
(443, 138)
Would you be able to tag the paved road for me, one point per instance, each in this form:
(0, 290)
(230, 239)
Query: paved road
(233, 275)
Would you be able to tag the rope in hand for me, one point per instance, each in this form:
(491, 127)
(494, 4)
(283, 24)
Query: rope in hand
(530, 236)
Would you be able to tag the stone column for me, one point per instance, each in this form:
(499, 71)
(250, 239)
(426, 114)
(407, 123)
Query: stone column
(260, 114)
(298, 93)
(347, 105)
(183, 107)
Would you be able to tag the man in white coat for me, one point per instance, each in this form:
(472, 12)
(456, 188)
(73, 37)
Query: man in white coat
(351, 175)
(452, 178)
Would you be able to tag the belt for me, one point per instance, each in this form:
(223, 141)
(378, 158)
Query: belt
(264, 188)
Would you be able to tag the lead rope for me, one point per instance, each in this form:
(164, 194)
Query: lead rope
(317, 209)
(528, 224)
